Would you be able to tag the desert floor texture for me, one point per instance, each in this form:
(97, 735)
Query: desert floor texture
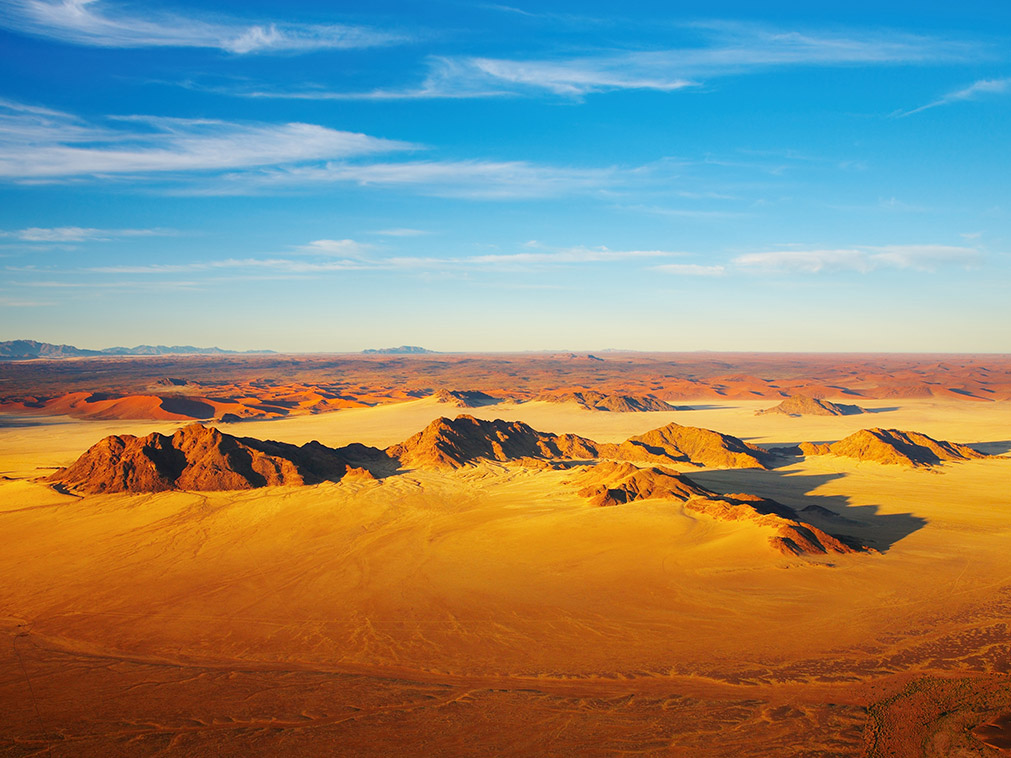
(491, 610)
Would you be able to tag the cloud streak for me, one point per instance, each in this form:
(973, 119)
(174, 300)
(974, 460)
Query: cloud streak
(40, 144)
(355, 261)
(974, 91)
(101, 24)
(473, 179)
(860, 259)
(724, 50)
(81, 234)
(212, 157)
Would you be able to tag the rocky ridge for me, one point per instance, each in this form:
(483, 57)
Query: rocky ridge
(803, 405)
(893, 446)
(611, 484)
(617, 403)
(202, 458)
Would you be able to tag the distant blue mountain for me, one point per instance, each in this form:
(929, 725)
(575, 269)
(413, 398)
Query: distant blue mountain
(402, 350)
(26, 350)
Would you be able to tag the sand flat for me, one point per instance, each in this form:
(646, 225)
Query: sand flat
(501, 578)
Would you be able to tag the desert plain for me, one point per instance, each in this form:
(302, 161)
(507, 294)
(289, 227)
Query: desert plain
(492, 608)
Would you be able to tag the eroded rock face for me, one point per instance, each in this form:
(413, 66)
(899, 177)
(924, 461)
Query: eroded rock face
(699, 446)
(201, 458)
(612, 484)
(601, 401)
(895, 447)
(802, 405)
(453, 443)
(464, 398)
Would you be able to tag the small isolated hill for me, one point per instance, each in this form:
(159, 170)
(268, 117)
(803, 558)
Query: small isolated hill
(690, 444)
(895, 447)
(402, 350)
(202, 458)
(602, 401)
(802, 405)
(464, 398)
(610, 484)
(453, 443)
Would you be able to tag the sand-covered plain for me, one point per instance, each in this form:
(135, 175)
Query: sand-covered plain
(492, 610)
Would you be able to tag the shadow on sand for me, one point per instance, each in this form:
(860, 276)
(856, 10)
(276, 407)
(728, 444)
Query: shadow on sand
(830, 513)
(999, 447)
(889, 409)
(11, 421)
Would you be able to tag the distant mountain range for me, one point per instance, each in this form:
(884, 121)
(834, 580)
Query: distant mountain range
(402, 350)
(26, 350)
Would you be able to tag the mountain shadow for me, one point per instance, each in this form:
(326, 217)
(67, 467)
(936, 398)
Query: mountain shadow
(828, 512)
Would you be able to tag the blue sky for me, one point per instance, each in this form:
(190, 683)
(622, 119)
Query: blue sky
(482, 176)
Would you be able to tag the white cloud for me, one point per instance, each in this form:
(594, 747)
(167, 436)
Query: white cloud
(279, 264)
(44, 145)
(862, 259)
(925, 257)
(210, 157)
(354, 260)
(482, 180)
(723, 50)
(81, 234)
(347, 248)
(972, 92)
(403, 232)
(101, 24)
(690, 269)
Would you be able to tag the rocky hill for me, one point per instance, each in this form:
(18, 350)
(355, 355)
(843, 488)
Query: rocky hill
(690, 444)
(453, 443)
(464, 398)
(456, 442)
(895, 447)
(610, 484)
(802, 405)
(602, 401)
(202, 458)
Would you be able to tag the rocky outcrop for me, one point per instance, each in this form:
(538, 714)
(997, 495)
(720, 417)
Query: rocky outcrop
(600, 401)
(453, 443)
(612, 484)
(202, 458)
(464, 398)
(893, 446)
(690, 444)
(802, 405)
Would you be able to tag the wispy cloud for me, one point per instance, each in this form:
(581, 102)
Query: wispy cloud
(210, 157)
(347, 248)
(102, 24)
(690, 269)
(723, 49)
(40, 144)
(402, 232)
(974, 91)
(80, 234)
(861, 259)
(324, 263)
(480, 180)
